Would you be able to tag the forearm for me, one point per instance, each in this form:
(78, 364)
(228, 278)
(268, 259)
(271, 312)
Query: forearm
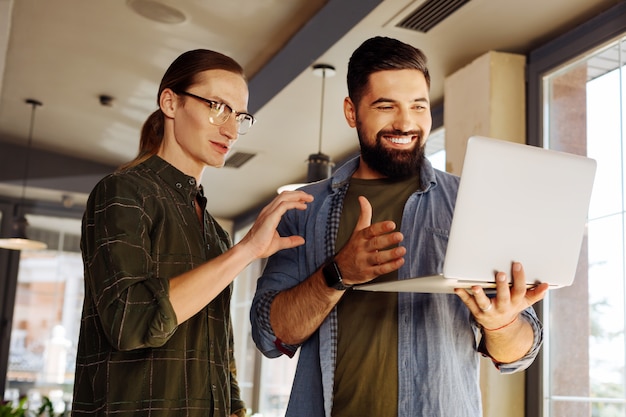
(298, 312)
(510, 343)
(194, 289)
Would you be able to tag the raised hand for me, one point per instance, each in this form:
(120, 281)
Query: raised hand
(262, 239)
(372, 249)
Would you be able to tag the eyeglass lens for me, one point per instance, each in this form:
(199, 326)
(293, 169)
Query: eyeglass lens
(220, 112)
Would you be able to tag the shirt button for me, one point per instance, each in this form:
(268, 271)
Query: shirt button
(179, 185)
(192, 181)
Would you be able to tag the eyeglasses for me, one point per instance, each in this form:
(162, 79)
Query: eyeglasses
(220, 112)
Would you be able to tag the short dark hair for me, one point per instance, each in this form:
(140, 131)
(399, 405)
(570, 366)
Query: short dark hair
(381, 54)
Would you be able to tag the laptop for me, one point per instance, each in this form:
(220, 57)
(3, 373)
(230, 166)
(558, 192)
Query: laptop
(515, 203)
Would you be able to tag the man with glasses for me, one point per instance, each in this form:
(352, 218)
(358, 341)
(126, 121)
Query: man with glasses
(382, 216)
(156, 337)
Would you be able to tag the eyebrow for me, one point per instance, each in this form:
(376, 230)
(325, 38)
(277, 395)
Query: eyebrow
(220, 99)
(389, 100)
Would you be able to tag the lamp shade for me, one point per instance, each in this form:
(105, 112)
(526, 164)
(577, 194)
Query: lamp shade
(17, 239)
(320, 167)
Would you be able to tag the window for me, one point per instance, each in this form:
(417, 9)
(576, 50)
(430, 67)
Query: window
(578, 104)
(435, 149)
(46, 317)
(585, 349)
(265, 383)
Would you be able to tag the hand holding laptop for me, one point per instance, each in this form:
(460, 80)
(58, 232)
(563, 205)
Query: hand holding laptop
(506, 334)
(495, 313)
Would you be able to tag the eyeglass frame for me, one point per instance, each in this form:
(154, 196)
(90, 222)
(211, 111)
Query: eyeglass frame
(229, 111)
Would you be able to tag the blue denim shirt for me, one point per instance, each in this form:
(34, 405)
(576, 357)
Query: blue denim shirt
(438, 339)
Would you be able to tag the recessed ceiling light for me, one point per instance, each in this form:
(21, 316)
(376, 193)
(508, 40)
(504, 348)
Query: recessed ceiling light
(156, 11)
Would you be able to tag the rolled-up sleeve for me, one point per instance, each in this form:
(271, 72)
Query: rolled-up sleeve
(131, 300)
(523, 363)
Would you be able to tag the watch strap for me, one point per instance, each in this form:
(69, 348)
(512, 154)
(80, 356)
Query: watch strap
(333, 278)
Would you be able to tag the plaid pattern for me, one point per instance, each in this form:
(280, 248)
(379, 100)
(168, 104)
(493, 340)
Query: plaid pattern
(437, 358)
(140, 229)
(334, 215)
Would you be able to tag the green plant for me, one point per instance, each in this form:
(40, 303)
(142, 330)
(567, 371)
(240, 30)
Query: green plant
(21, 410)
(8, 410)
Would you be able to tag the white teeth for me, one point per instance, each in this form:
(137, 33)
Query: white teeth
(400, 141)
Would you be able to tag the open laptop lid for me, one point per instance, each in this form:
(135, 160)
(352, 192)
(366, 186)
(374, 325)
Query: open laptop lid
(515, 203)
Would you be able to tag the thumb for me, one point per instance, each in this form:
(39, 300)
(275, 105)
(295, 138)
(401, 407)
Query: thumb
(365, 217)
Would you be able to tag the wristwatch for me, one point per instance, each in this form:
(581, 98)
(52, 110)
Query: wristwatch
(332, 275)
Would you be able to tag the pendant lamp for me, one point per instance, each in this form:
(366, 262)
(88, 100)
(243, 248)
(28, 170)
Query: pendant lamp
(319, 164)
(17, 240)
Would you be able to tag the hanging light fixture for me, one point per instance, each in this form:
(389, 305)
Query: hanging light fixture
(319, 164)
(17, 239)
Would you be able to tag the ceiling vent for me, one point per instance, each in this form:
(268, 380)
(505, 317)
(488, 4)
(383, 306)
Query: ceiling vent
(237, 159)
(429, 14)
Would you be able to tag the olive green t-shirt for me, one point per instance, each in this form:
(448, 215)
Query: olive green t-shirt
(366, 375)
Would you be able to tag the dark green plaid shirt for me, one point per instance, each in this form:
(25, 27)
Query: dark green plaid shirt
(140, 229)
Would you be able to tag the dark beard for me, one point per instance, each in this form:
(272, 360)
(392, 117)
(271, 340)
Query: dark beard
(391, 163)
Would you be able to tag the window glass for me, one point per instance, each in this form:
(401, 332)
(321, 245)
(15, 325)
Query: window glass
(585, 348)
(265, 383)
(46, 318)
(435, 149)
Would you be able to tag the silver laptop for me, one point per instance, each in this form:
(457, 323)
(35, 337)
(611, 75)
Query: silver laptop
(515, 203)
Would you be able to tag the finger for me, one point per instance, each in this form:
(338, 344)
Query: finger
(467, 296)
(519, 278)
(536, 293)
(379, 238)
(289, 242)
(286, 201)
(296, 194)
(365, 216)
(381, 257)
(503, 289)
(292, 196)
(482, 301)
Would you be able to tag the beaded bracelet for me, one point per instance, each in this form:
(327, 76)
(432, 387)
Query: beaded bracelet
(502, 327)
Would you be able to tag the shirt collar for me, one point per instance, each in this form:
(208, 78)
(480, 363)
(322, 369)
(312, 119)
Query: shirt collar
(184, 184)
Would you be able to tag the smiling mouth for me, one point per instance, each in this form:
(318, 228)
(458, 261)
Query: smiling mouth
(403, 140)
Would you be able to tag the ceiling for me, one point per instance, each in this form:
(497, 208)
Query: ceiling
(67, 53)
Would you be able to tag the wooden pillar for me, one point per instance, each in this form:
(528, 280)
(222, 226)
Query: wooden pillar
(487, 98)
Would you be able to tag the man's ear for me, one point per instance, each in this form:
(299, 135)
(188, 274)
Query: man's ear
(349, 111)
(168, 102)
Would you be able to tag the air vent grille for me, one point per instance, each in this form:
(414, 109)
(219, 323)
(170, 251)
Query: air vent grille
(237, 159)
(429, 14)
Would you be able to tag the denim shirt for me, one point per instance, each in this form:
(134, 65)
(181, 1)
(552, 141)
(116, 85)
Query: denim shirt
(438, 339)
